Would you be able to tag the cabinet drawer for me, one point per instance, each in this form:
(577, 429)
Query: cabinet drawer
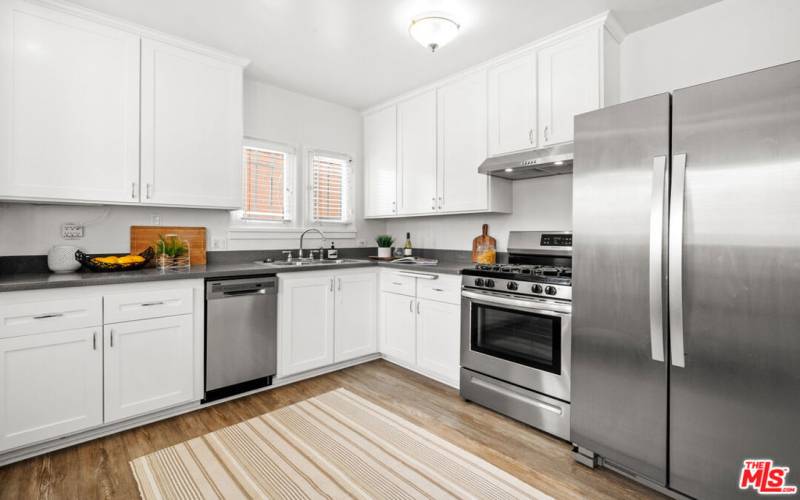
(445, 288)
(49, 316)
(150, 304)
(397, 283)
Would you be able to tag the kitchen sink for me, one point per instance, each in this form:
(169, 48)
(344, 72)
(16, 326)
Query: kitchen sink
(310, 263)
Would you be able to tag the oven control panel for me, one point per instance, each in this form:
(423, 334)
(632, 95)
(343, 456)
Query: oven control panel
(556, 240)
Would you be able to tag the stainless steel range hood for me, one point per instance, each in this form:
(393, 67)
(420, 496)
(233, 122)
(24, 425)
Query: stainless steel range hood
(541, 162)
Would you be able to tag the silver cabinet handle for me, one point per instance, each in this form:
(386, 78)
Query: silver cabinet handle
(150, 304)
(48, 316)
(396, 283)
(133, 190)
(438, 290)
(94, 341)
(547, 133)
(440, 202)
(676, 260)
(331, 284)
(111, 338)
(658, 210)
(417, 307)
(339, 284)
(411, 306)
(148, 187)
(530, 136)
(433, 203)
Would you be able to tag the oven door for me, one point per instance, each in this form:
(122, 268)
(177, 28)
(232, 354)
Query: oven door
(522, 340)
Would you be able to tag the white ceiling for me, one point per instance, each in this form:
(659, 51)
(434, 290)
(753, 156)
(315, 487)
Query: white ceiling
(358, 52)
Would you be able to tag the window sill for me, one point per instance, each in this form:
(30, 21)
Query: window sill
(251, 232)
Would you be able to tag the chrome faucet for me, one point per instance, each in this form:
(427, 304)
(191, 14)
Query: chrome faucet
(321, 245)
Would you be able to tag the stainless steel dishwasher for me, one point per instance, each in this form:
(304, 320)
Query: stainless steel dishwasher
(241, 335)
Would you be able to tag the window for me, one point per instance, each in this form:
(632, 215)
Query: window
(330, 196)
(267, 182)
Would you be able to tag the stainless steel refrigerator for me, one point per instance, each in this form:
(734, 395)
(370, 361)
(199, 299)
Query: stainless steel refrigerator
(686, 283)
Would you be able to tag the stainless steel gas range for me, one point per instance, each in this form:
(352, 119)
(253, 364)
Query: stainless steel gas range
(516, 331)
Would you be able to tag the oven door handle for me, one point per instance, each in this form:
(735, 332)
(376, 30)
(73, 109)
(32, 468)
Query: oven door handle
(516, 303)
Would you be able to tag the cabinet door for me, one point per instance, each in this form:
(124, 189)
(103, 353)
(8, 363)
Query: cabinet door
(149, 365)
(51, 385)
(512, 104)
(462, 145)
(74, 110)
(416, 122)
(305, 324)
(439, 339)
(380, 162)
(356, 315)
(569, 84)
(397, 326)
(191, 128)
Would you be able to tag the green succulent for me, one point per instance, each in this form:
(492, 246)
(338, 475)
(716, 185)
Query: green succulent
(384, 240)
(171, 246)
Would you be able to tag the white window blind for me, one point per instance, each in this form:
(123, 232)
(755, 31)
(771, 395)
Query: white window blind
(330, 188)
(267, 186)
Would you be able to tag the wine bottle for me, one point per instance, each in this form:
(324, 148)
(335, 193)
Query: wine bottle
(407, 248)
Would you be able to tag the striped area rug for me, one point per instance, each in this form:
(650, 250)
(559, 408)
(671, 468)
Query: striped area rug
(337, 445)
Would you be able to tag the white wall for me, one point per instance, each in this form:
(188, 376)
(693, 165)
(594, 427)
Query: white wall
(721, 40)
(539, 204)
(270, 113)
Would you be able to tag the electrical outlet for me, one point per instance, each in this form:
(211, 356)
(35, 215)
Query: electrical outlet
(155, 219)
(362, 243)
(219, 243)
(71, 231)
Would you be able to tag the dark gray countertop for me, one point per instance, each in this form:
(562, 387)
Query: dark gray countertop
(36, 281)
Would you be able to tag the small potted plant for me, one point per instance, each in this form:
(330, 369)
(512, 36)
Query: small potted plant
(172, 253)
(384, 246)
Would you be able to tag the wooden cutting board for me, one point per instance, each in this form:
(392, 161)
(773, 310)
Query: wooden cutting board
(484, 238)
(146, 236)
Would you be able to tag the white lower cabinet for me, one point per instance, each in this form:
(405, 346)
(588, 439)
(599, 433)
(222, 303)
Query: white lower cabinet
(305, 324)
(324, 319)
(438, 339)
(397, 325)
(421, 333)
(51, 385)
(62, 371)
(355, 332)
(149, 365)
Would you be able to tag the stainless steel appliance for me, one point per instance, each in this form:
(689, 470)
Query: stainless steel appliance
(241, 335)
(686, 352)
(516, 331)
(541, 162)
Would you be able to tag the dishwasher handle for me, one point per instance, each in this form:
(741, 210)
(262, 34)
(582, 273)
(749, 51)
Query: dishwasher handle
(227, 289)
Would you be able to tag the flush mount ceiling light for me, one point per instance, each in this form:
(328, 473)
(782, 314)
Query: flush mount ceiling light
(433, 31)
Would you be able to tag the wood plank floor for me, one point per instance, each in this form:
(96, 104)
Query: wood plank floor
(99, 468)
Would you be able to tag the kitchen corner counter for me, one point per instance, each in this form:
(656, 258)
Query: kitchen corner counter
(37, 281)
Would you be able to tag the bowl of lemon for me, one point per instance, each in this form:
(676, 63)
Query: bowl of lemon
(114, 263)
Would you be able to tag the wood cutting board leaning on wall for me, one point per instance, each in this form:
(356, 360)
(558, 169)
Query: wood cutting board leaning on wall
(146, 236)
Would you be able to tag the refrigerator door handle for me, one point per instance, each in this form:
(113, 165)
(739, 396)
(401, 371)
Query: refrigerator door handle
(676, 260)
(658, 211)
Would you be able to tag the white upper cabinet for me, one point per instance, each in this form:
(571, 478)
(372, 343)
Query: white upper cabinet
(191, 128)
(380, 160)
(512, 104)
(569, 84)
(104, 111)
(416, 138)
(462, 145)
(72, 132)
